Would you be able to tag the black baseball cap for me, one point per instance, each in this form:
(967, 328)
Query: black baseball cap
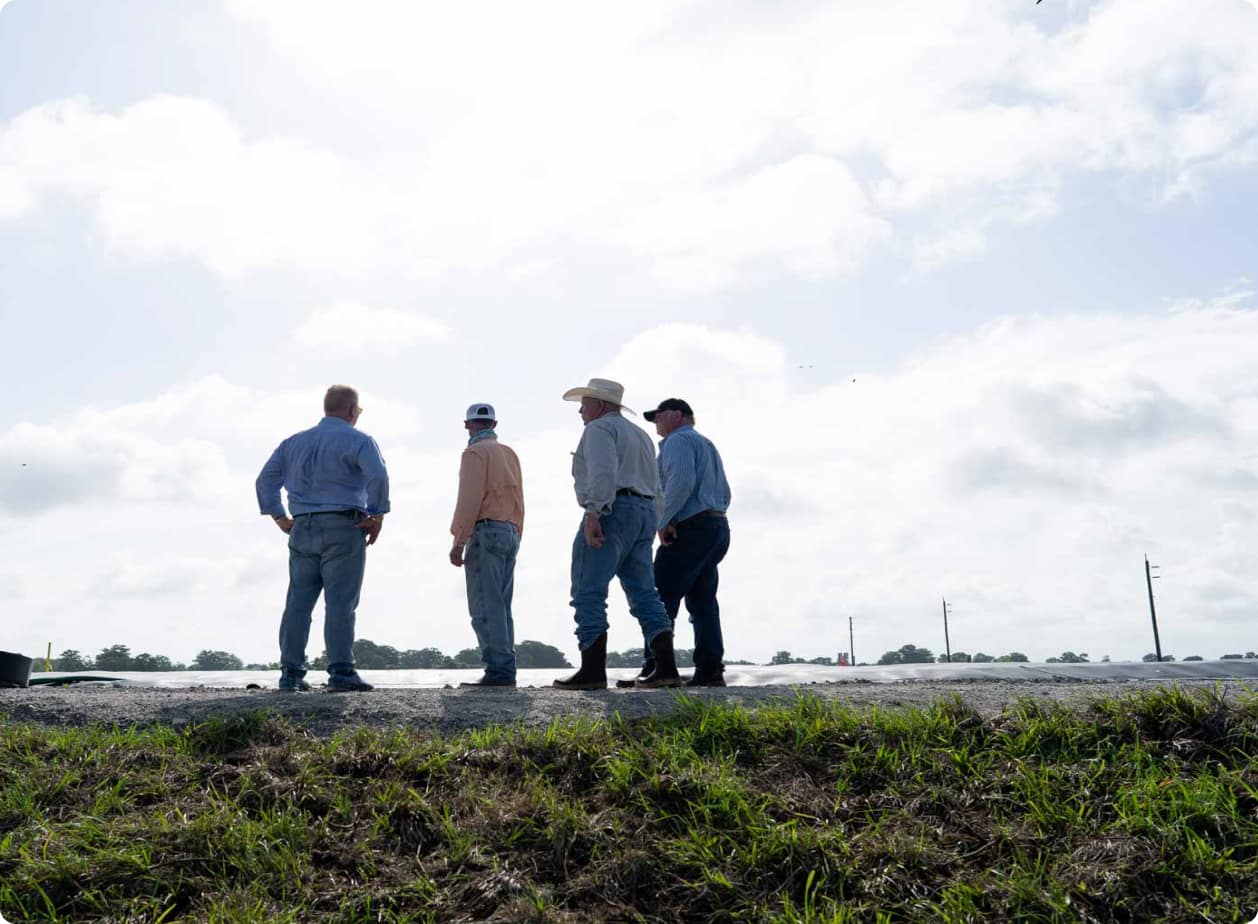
(670, 404)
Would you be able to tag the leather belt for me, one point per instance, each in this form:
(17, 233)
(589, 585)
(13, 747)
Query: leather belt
(327, 513)
(701, 515)
(630, 492)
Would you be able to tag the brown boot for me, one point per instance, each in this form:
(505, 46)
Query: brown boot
(665, 673)
(593, 672)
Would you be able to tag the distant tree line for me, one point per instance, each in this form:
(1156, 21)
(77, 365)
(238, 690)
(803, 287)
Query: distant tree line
(911, 654)
(367, 654)
(371, 656)
(120, 658)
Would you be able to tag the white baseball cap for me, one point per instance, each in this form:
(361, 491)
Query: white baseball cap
(481, 411)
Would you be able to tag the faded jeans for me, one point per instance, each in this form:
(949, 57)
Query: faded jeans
(628, 534)
(489, 567)
(327, 553)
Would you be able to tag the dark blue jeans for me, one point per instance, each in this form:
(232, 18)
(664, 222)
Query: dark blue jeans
(685, 569)
(327, 554)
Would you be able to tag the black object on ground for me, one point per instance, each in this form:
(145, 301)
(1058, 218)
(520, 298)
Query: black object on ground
(15, 669)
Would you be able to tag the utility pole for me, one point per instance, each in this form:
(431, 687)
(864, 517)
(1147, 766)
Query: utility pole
(851, 645)
(1148, 579)
(947, 644)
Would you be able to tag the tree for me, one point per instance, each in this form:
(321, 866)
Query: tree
(114, 658)
(958, 657)
(538, 654)
(907, 654)
(216, 661)
(1231, 657)
(1194, 658)
(148, 662)
(1151, 656)
(980, 658)
(468, 657)
(1069, 657)
(630, 657)
(1251, 654)
(369, 655)
(424, 659)
(1014, 656)
(71, 660)
(822, 660)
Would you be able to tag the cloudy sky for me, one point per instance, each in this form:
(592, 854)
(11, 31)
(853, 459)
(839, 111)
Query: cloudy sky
(964, 291)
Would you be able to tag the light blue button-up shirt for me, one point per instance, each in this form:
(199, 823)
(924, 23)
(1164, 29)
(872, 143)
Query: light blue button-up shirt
(329, 467)
(692, 476)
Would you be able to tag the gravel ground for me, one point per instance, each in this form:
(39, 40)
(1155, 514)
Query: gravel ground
(448, 710)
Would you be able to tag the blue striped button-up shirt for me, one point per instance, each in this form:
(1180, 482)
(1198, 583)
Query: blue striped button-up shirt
(329, 467)
(692, 476)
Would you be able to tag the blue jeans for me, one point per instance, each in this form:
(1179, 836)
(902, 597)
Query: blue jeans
(628, 533)
(327, 553)
(489, 566)
(685, 569)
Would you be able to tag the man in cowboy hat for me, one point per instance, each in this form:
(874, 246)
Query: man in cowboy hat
(618, 485)
(488, 522)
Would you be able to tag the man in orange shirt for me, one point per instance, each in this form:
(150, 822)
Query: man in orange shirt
(488, 523)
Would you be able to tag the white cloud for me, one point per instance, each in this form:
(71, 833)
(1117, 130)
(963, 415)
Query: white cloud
(950, 246)
(961, 104)
(808, 215)
(711, 150)
(350, 326)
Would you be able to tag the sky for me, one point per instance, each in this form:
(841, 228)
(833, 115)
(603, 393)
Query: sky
(963, 292)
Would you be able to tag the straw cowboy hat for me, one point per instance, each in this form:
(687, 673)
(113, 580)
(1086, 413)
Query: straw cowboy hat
(600, 390)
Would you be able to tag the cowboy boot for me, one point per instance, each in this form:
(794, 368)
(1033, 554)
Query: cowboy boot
(665, 673)
(593, 672)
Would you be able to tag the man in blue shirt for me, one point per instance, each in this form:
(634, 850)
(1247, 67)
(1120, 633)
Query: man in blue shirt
(694, 534)
(338, 494)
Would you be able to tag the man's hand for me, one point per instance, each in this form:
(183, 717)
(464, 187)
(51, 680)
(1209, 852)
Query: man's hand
(371, 526)
(593, 531)
(456, 556)
(284, 523)
(668, 535)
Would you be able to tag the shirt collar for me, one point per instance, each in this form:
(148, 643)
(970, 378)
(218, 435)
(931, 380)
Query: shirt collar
(333, 422)
(675, 432)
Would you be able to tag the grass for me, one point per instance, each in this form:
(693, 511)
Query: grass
(1139, 808)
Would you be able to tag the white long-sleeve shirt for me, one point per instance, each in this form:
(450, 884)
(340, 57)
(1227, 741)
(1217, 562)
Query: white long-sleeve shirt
(614, 454)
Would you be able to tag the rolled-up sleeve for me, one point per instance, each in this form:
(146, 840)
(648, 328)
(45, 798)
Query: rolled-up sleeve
(269, 483)
(371, 463)
(598, 447)
(473, 473)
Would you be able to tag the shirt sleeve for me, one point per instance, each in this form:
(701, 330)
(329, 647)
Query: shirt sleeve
(678, 474)
(268, 485)
(371, 462)
(473, 475)
(598, 445)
